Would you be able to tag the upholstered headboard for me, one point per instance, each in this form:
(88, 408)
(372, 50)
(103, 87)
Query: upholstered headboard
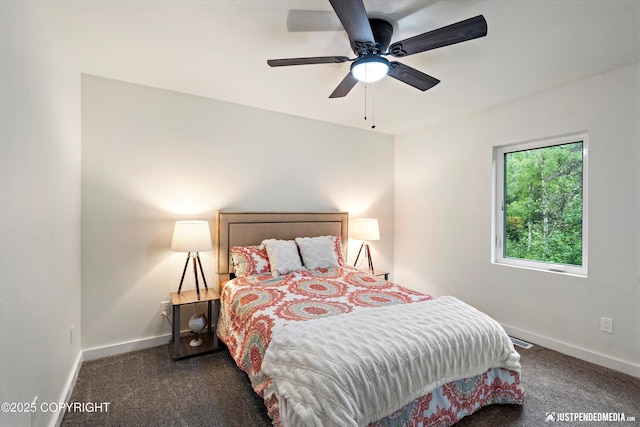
(251, 228)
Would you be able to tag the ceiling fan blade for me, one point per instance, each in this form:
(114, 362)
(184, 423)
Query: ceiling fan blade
(344, 87)
(468, 29)
(411, 76)
(307, 61)
(355, 21)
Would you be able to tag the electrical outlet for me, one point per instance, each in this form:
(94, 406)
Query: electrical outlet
(606, 325)
(164, 308)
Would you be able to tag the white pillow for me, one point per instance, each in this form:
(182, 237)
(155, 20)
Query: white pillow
(318, 252)
(283, 256)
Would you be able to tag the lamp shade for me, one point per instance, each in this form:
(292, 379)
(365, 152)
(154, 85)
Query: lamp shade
(370, 68)
(191, 236)
(366, 229)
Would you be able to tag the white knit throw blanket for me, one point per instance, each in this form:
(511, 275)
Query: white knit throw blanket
(355, 368)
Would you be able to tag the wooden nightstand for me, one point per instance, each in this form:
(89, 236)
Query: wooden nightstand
(379, 273)
(179, 348)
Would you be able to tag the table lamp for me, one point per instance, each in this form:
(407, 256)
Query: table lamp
(192, 237)
(366, 229)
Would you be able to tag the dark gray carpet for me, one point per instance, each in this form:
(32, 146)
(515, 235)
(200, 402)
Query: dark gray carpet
(147, 388)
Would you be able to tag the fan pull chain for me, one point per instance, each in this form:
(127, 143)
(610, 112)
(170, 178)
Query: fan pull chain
(373, 104)
(373, 107)
(365, 100)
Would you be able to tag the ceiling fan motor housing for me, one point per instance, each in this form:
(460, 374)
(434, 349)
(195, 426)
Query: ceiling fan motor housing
(382, 33)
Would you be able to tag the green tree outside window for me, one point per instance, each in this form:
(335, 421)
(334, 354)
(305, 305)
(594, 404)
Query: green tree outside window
(543, 204)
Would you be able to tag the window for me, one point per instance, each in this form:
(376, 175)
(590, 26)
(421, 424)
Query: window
(540, 211)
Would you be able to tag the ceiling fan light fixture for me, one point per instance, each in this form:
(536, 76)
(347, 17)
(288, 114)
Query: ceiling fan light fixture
(370, 68)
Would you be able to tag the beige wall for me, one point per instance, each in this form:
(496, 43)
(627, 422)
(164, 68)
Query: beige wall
(39, 211)
(443, 191)
(151, 156)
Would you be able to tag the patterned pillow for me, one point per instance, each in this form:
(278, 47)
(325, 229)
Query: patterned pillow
(283, 256)
(318, 252)
(248, 260)
(337, 247)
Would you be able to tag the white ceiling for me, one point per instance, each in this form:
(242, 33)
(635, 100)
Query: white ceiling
(218, 49)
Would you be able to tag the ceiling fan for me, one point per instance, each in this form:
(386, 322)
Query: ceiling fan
(370, 40)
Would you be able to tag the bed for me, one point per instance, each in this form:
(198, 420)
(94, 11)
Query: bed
(324, 343)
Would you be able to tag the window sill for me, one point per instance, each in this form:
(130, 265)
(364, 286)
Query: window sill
(542, 270)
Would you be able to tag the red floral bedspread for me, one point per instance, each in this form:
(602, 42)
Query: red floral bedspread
(253, 305)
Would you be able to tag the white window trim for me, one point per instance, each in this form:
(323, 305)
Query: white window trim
(497, 251)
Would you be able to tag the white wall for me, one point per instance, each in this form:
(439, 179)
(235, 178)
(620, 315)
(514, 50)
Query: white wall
(40, 211)
(151, 156)
(443, 218)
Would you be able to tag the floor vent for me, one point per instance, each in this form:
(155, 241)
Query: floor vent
(521, 343)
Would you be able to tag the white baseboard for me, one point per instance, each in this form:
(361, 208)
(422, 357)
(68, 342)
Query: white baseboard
(125, 347)
(97, 353)
(68, 388)
(577, 352)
